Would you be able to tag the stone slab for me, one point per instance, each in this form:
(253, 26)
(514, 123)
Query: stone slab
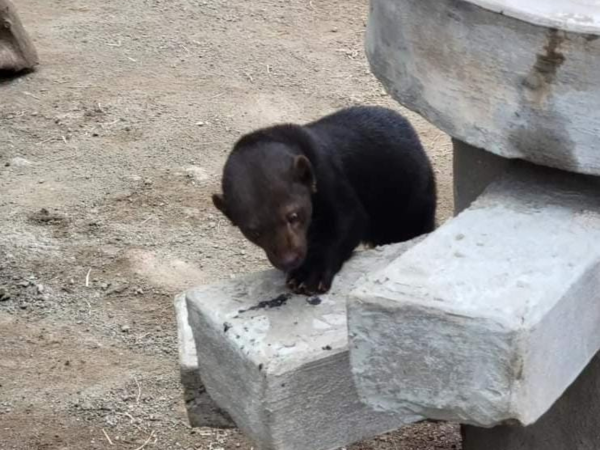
(493, 315)
(516, 89)
(278, 364)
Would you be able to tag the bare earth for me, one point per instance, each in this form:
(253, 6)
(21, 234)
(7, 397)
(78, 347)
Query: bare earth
(108, 156)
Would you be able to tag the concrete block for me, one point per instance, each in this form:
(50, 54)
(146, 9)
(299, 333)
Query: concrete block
(278, 364)
(517, 78)
(202, 411)
(493, 315)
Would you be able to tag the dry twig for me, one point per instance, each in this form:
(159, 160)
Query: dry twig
(137, 400)
(107, 437)
(147, 441)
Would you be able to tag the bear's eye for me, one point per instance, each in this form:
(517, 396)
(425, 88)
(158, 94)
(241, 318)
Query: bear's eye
(293, 218)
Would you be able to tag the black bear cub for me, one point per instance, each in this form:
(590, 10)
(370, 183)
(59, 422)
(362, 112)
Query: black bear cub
(309, 195)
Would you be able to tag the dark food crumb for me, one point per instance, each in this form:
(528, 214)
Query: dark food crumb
(226, 327)
(327, 347)
(314, 301)
(268, 304)
(260, 367)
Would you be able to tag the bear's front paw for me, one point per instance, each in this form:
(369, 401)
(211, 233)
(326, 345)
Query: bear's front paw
(310, 282)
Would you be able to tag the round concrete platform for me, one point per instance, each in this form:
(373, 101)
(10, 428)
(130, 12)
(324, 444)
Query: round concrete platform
(579, 16)
(516, 78)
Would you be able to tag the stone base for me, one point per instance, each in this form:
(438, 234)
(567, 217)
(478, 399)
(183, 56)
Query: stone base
(278, 364)
(573, 423)
(474, 170)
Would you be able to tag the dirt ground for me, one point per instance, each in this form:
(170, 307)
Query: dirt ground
(108, 156)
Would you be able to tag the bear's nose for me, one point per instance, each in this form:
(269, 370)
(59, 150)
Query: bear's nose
(289, 261)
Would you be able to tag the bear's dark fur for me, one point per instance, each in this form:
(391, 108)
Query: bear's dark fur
(309, 195)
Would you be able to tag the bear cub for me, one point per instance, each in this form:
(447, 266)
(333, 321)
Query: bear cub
(308, 195)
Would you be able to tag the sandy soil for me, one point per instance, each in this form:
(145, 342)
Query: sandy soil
(108, 156)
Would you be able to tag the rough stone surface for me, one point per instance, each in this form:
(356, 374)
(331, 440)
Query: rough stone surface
(571, 424)
(16, 49)
(494, 314)
(202, 411)
(278, 364)
(514, 88)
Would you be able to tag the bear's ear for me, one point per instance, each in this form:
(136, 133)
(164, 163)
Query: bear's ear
(220, 204)
(303, 172)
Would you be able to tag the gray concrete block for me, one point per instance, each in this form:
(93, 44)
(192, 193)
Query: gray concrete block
(517, 78)
(493, 315)
(278, 363)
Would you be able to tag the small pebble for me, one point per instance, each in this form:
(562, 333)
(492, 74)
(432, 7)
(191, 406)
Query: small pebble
(197, 173)
(125, 328)
(4, 295)
(19, 162)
